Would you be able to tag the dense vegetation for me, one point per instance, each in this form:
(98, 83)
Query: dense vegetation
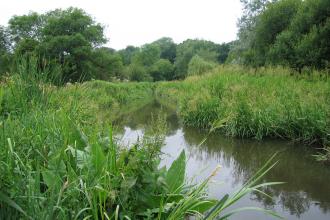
(244, 103)
(72, 39)
(59, 159)
(292, 33)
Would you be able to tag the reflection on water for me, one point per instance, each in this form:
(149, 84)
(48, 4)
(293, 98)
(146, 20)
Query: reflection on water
(306, 194)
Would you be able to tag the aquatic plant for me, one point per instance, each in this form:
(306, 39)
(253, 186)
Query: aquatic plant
(268, 102)
(59, 161)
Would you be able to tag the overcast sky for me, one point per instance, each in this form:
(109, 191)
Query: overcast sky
(136, 22)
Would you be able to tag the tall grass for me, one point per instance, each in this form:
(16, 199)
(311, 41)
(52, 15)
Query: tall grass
(59, 161)
(269, 102)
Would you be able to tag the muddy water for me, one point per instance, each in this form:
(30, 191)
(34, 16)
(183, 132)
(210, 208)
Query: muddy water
(305, 195)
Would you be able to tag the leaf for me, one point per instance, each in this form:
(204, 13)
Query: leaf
(204, 206)
(128, 182)
(13, 204)
(98, 160)
(217, 206)
(82, 157)
(176, 174)
(51, 179)
(235, 211)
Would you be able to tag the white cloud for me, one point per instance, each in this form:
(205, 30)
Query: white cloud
(135, 22)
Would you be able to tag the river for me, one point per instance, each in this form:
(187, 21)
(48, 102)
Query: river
(305, 194)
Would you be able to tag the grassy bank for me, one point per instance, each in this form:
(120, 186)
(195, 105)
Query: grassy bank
(57, 158)
(59, 161)
(104, 101)
(255, 104)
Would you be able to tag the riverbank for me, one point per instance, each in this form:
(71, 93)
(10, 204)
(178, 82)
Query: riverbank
(59, 159)
(304, 194)
(103, 102)
(57, 152)
(254, 104)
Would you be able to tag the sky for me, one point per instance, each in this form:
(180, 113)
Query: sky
(136, 22)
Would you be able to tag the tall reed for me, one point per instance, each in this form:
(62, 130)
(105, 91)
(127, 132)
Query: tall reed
(270, 102)
(59, 162)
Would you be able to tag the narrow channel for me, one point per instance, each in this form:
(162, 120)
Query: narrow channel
(305, 194)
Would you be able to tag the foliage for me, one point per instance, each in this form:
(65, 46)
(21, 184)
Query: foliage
(138, 72)
(270, 23)
(60, 161)
(26, 27)
(251, 103)
(189, 48)
(108, 65)
(164, 60)
(292, 33)
(4, 50)
(127, 54)
(153, 61)
(68, 37)
(148, 55)
(4, 40)
(198, 66)
(162, 70)
(167, 48)
(223, 51)
(305, 42)
(246, 32)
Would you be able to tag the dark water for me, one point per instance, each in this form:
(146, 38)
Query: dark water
(305, 195)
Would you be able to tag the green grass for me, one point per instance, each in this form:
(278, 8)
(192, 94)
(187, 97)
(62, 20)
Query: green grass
(269, 102)
(58, 159)
(103, 101)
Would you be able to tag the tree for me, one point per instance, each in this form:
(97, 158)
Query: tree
(306, 40)
(137, 72)
(198, 66)
(4, 50)
(142, 62)
(148, 55)
(128, 53)
(246, 30)
(223, 51)
(26, 27)
(162, 70)
(208, 50)
(167, 48)
(272, 21)
(67, 36)
(70, 36)
(107, 64)
(4, 40)
(293, 33)
(314, 48)
(246, 24)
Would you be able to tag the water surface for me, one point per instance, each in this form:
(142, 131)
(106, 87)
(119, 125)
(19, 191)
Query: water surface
(305, 195)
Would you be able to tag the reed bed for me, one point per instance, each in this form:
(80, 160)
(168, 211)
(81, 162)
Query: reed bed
(59, 160)
(249, 103)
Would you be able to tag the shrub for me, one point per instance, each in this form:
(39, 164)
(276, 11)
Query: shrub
(198, 66)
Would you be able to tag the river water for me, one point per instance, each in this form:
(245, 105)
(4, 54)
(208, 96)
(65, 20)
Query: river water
(305, 194)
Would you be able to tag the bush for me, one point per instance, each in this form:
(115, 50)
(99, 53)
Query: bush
(198, 66)
(162, 70)
(138, 73)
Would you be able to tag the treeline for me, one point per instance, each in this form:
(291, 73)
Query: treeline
(72, 39)
(165, 60)
(69, 38)
(292, 33)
